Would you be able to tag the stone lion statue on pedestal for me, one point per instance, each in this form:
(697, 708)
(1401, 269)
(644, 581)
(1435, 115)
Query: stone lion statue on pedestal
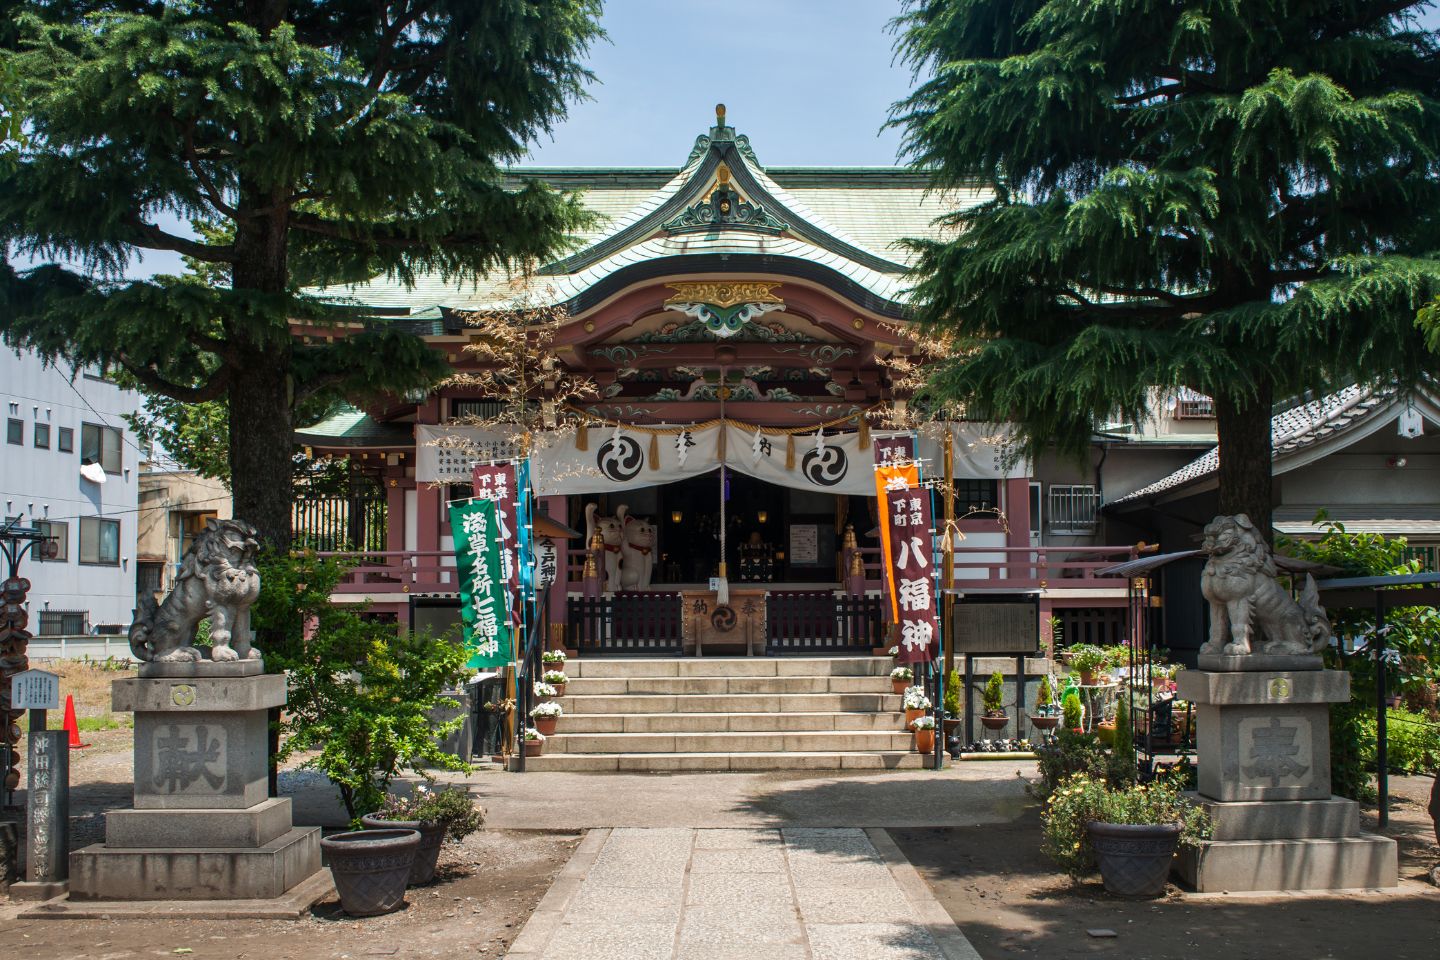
(218, 580)
(1248, 603)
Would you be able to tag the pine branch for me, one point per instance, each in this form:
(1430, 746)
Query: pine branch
(151, 237)
(212, 389)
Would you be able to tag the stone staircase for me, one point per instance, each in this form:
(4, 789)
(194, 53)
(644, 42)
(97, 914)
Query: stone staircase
(729, 713)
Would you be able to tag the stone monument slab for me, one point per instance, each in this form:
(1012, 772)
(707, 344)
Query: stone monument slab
(196, 694)
(203, 760)
(1226, 663)
(161, 669)
(1282, 819)
(187, 829)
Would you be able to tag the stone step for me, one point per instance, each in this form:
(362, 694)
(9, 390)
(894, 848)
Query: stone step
(814, 741)
(730, 703)
(609, 668)
(588, 686)
(718, 762)
(723, 722)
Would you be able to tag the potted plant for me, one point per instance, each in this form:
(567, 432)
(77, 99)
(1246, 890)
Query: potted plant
(1044, 717)
(554, 658)
(894, 651)
(556, 679)
(993, 699)
(1088, 660)
(924, 727)
(916, 704)
(534, 742)
(371, 868)
(1130, 832)
(432, 814)
(1072, 712)
(952, 702)
(543, 691)
(545, 716)
(900, 678)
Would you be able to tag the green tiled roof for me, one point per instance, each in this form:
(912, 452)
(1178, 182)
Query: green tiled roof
(351, 427)
(844, 225)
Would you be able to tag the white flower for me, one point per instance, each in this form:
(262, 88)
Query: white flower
(544, 690)
(915, 699)
(547, 710)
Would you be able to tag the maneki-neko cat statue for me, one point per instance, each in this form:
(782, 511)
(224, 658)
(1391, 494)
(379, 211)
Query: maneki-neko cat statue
(637, 550)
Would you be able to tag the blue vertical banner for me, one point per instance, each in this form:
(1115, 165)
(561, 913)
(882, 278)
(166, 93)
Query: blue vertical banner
(523, 530)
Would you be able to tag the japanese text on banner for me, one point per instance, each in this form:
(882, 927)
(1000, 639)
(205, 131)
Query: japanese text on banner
(483, 607)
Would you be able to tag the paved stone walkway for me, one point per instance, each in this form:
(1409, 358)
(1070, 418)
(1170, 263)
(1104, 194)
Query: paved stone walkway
(739, 894)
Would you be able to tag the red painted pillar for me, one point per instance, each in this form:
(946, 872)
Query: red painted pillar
(1017, 513)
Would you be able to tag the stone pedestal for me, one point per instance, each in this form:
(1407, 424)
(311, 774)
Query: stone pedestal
(203, 827)
(1263, 754)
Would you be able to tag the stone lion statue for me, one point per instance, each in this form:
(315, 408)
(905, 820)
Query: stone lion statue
(218, 580)
(1248, 603)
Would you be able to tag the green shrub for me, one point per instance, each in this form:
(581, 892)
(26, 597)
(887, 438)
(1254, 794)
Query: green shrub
(1070, 754)
(1412, 742)
(952, 693)
(1088, 658)
(452, 806)
(1352, 752)
(1045, 696)
(1081, 799)
(361, 692)
(994, 695)
(1122, 758)
(1073, 713)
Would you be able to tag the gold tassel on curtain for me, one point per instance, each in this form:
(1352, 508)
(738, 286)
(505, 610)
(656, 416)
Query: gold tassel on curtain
(790, 452)
(864, 433)
(654, 451)
(582, 437)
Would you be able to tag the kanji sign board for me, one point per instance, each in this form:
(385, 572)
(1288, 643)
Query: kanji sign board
(35, 690)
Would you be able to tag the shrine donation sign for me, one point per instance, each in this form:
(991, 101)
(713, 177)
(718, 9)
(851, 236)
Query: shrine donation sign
(909, 548)
(484, 604)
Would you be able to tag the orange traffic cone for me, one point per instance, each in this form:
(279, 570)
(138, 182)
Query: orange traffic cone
(72, 726)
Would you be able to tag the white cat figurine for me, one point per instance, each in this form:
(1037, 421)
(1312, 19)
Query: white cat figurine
(613, 537)
(637, 550)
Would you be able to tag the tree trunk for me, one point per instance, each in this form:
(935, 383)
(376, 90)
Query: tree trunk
(262, 437)
(1243, 428)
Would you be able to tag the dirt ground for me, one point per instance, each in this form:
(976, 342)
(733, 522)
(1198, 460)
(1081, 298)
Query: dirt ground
(1012, 902)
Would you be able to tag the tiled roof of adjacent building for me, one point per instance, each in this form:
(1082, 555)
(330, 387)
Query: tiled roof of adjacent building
(352, 427)
(1291, 431)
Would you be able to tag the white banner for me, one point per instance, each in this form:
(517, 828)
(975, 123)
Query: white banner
(617, 460)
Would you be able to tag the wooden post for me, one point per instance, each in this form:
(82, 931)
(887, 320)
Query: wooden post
(947, 605)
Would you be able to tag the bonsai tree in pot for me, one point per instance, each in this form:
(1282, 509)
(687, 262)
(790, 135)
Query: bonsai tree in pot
(1088, 660)
(432, 814)
(900, 678)
(916, 704)
(952, 702)
(993, 699)
(1129, 831)
(534, 742)
(545, 716)
(1044, 717)
(556, 679)
(924, 727)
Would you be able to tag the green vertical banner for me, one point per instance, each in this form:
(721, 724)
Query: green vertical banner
(482, 587)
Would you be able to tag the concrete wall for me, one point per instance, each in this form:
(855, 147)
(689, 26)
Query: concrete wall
(45, 484)
(166, 496)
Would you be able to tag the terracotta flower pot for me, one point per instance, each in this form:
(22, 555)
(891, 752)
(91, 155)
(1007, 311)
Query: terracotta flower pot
(1134, 859)
(427, 854)
(1087, 678)
(1105, 730)
(925, 740)
(546, 725)
(911, 716)
(899, 685)
(534, 748)
(559, 689)
(371, 868)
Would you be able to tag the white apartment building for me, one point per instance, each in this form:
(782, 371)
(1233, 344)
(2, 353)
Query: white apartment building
(70, 464)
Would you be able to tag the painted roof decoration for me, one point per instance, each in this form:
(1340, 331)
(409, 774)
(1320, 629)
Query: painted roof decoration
(722, 212)
(1294, 433)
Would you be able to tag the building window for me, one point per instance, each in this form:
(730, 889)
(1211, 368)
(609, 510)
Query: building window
(1073, 508)
(15, 431)
(65, 440)
(100, 541)
(100, 444)
(149, 578)
(59, 534)
(64, 623)
(42, 436)
(1190, 405)
(976, 494)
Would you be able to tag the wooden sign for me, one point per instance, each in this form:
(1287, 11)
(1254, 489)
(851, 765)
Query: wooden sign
(996, 626)
(35, 690)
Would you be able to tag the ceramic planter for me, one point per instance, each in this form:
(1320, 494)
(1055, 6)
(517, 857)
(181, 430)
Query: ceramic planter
(1105, 730)
(912, 715)
(371, 868)
(546, 725)
(1087, 678)
(899, 685)
(1134, 859)
(1044, 722)
(559, 689)
(995, 721)
(951, 725)
(427, 854)
(925, 740)
(534, 748)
